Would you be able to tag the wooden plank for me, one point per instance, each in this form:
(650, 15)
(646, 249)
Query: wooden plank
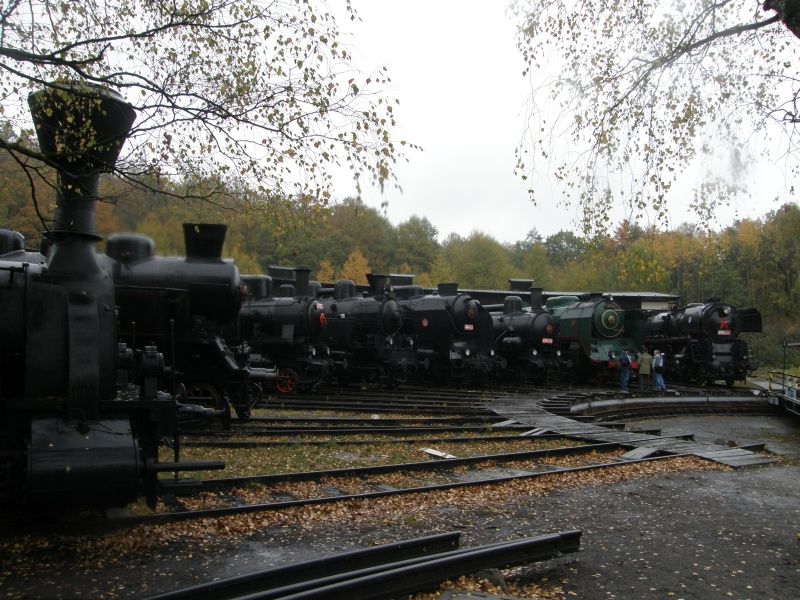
(639, 453)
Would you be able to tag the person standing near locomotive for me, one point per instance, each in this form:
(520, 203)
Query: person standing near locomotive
(645, 360)
(658, 370)
(625, 370)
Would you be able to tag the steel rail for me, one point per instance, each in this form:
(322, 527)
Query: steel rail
(381, 408)
(285, 431)
(419, 572)
(328, 566)
(438, 408)
(406, 396)
(420, 466)
(161, 518)
(399, 580)
(371, 421)
(411, 440)
(413, 467)
(402, 392)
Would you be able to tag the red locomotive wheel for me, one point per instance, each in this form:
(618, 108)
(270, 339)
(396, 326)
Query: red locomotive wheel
(287, 381)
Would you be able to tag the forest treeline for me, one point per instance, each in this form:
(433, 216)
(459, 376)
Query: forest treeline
(752, 263)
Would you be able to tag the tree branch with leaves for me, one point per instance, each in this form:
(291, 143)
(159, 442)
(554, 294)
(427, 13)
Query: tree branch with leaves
(260, 91)
(630, 94)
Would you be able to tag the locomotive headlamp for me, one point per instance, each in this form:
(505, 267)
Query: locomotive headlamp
(313, 351)
(466, 352)
(491, 352)
(558, 352)
(535, 352)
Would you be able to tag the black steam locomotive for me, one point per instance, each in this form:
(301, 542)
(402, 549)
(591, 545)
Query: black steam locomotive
(283, 332)
(528, 339)
(65, 435)
(452, 334)
(180, 305)
(363, 334)
(702, 341)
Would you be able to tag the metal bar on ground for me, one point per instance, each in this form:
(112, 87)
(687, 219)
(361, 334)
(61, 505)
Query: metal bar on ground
(322, 567)
(396, 582)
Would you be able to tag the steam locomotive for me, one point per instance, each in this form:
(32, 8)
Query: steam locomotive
(65, 434)
(283, 332)
(363, 334)
(181, 305)
(452, 334)
(702, 341)
(594, 332)
(527, 339)
(446, 335)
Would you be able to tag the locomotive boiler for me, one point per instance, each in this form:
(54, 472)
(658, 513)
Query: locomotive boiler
(65, 436)
(702, 341)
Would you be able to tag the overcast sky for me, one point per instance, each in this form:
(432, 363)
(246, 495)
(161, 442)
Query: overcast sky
(458, 76)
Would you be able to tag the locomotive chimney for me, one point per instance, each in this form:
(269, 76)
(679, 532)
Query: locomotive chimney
(377, 283)
(448, 289)
(81, 129)
(204, 241)
(302, 276)
(536, 298)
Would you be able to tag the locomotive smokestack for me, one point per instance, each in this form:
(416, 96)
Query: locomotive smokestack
(536, 298)
(204, 241)
(301, 278)
(448, 289)
(377, 283)
(81, 129)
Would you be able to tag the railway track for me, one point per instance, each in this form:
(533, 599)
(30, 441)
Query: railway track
(260, 493)
(317, 422)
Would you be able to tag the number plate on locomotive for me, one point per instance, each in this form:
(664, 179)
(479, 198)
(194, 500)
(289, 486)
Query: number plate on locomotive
(547, 340)
(469, 327)
(723, 332)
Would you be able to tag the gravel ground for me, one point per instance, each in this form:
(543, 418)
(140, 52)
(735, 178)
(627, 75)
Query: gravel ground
(704, 534)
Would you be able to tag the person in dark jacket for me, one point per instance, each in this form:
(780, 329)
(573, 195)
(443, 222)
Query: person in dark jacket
(625, 370)
(658, 371)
